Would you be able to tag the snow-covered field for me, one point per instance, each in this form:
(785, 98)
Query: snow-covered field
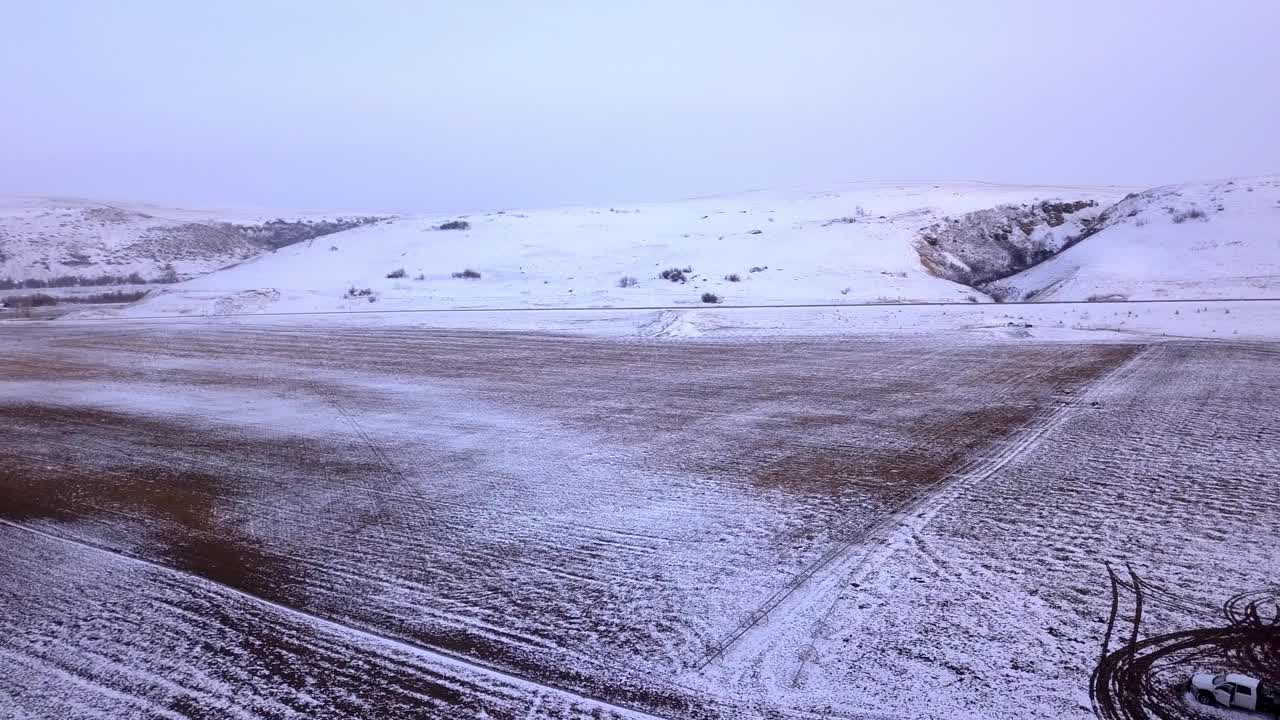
(850, 489)
(344, 519)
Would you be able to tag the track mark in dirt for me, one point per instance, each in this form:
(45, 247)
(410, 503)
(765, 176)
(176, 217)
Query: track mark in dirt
(155, 491)
(364, 633)
(1147, 677)
(917, 503)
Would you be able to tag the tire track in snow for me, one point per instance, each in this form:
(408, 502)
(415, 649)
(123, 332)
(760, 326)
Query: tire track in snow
(438, 656)
(906, 523)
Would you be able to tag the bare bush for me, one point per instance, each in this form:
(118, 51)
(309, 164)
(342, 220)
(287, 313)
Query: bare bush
(627, 281)
(279, 233)
(72, 281)
(676, 274)
(29, 301)
(396, 274)
(44, 300)
(759, 268)
(467, 274)
(118, 296)
(455, 225)
(710, 297)
(168, 274)
(733, 277)
(1192, 214)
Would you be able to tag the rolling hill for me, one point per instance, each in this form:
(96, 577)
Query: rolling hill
(852, 243)
(68, 240)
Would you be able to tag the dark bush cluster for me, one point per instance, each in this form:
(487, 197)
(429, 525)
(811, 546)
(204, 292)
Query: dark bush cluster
(676, 274)
(43, 300)
(29, 301)
(708, 297)
(353, 292)
(1192, 214)
(279, 233)
(733, 277)
(168, 274)
(467, 274)
(759, 268)
(455, 225)
(627, 281)
(118, 296)
(73, 281)
(396, 274)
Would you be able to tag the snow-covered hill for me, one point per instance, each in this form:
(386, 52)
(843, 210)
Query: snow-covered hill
(1200, 240)
(853, 243)
(42, 239)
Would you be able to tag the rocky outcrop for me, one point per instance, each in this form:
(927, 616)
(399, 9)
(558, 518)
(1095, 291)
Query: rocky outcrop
(990, 244)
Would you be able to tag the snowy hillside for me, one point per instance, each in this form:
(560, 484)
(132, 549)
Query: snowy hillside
(46, 238)
(1201, 240)
(853, 243)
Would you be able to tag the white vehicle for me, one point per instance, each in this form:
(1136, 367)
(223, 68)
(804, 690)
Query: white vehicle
(1234, 691)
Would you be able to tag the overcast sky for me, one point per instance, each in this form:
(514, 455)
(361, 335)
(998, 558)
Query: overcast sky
(467, 105)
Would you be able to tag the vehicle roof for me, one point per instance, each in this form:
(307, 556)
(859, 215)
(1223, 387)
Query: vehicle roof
(1239, 679)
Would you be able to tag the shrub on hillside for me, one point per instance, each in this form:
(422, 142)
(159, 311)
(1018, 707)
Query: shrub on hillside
(29, 301)
(676, 274)
(72, 281)
(455, 225)
(710, 297)
(467, 274)
(733, 277)
(627, 281)
(1192, 214)
(396, 274)
(168, 274)
(280, 233)
(117, 296)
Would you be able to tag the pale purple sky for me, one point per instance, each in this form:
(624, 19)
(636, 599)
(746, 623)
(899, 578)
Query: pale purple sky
(416, 105)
